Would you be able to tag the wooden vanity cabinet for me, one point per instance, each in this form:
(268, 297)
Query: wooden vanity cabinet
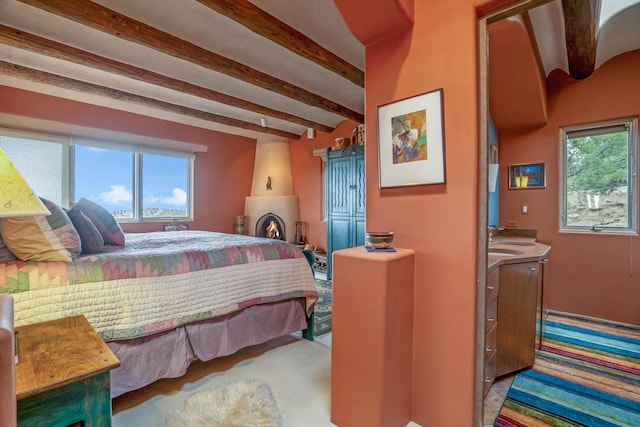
(491, 327)
(518, 314)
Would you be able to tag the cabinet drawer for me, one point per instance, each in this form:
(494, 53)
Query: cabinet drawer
(493, 280)
(489, 373)
(490, 342)
(491, 315)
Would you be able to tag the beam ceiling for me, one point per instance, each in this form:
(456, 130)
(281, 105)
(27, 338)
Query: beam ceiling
(277, 31)
(581, 19)
(222, 61)
(111, 22)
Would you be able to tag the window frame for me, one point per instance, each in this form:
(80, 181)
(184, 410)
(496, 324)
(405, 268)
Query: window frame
(139, 186)
(68, 160)
(631, 124)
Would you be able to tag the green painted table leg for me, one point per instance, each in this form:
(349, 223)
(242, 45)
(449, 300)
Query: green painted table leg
(87, 401)
(308, 333)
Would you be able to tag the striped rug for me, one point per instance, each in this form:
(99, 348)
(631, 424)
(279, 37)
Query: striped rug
(586, 373)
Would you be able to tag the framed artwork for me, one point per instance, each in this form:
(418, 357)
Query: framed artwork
(527, 175)
(411, 141)
(175, 227)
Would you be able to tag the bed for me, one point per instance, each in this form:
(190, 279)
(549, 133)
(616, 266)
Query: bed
(165, 299)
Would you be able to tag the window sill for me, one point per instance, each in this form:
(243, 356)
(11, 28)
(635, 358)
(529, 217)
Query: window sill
(607, 232)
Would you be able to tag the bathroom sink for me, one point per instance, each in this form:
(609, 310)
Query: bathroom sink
(517, 243)
(503, 252)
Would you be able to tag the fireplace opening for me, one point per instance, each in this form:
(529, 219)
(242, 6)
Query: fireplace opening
(270, 226)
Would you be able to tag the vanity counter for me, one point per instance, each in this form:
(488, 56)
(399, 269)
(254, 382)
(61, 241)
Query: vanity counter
(511, 250)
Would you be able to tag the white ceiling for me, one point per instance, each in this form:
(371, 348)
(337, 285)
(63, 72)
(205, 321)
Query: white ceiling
(618, 32)
(196, 23)
(531, 50)
(192, 21)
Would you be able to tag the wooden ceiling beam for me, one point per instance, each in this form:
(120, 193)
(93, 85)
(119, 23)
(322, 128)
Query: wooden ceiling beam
(33, 43)
(111, 22)
(267, 26)
(581, 35)
(37, 76)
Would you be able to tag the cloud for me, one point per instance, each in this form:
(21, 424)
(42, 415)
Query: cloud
(117, 194)
(94, 149)
(178, 198)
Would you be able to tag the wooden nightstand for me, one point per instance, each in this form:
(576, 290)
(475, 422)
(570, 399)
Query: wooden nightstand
(62, 377)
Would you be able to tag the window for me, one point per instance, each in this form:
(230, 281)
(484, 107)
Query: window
(105, 177)
(165, 186)
(131, 182)
(599, 190)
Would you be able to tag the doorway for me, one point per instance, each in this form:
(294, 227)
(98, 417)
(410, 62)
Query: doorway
(567, 270)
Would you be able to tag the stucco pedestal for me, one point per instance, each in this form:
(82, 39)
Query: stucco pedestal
(372, 337)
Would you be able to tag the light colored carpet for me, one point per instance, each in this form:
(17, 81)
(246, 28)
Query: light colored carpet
(238, 403)
(297, 371)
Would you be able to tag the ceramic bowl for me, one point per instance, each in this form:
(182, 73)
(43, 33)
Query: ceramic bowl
(379, 239)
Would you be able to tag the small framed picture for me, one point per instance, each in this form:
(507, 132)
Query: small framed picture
(175, 227)
(411, 141)
(527, 175)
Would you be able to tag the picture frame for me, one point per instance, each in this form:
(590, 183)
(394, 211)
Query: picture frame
(411, 141)
(527, 175)
(175, 227)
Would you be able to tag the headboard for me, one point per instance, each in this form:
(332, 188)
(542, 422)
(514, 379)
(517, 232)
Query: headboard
(8, 416)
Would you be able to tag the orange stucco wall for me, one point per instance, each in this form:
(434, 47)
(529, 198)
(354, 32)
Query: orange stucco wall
(589, 273)
(371, 348)
(514, 104)
(222, 175)
(439, 221)
(307, 180)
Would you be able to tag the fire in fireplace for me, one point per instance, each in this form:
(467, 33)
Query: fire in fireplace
(272, 230)
(271, 226)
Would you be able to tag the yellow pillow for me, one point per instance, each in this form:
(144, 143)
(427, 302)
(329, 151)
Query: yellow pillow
(42, 238)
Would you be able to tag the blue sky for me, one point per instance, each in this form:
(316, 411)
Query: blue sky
(106, 177)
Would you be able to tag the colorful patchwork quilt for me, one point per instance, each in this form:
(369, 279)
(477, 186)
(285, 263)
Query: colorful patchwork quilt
(158, 281)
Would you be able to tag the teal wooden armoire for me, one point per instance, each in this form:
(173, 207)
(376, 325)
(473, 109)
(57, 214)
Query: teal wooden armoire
(344, 194)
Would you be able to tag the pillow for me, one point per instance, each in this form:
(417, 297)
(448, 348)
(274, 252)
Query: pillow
(104, 221)
(91, 239)
(5, 253)
(43, 237)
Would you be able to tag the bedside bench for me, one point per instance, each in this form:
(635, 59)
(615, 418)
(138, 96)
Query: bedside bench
(62, 377)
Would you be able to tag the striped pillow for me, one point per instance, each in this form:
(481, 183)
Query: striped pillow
(42, 238)
(104, 221)
(90, 237)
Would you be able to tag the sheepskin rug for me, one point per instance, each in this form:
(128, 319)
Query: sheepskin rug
(239, 403)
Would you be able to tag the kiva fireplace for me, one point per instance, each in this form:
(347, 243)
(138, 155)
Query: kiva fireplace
(271, 226)
(272, 192)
